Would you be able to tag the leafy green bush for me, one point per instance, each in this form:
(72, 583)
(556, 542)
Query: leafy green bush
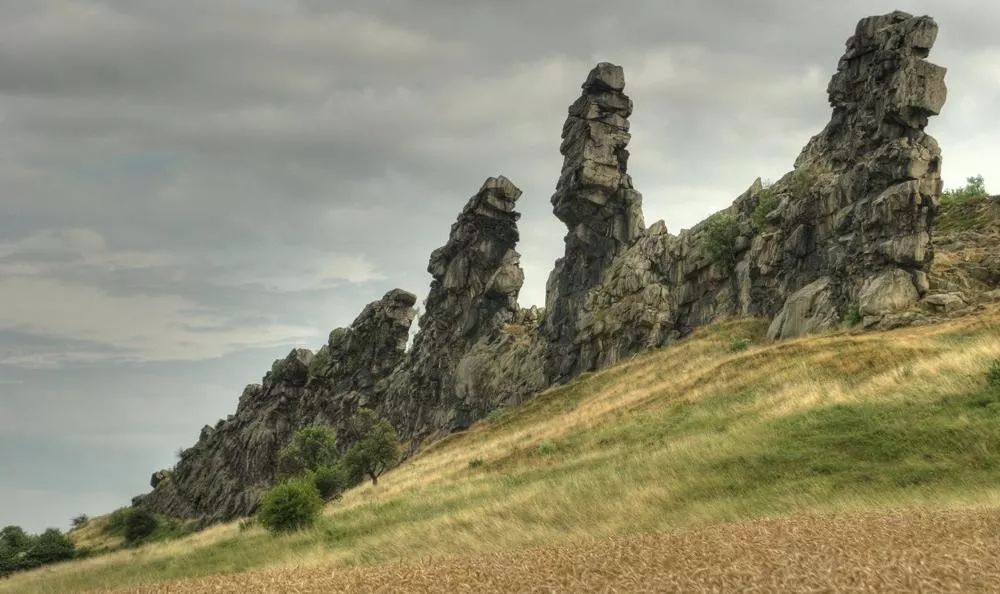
(767, 201)
(721, 231)
(853, 315)
(802, 181)
(739, 344)
(14, 537)
(376, 448)
(115, 526)
(311, 448)
(975, 188)
(292, 505)
(330, 481)
(547, 447)
(49, 547)
(993, 375)
(496, 415)
(20, 551)
(139, 524)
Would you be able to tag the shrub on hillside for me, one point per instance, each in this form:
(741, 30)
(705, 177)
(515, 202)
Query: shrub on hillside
(330, 481)
(292, 505)
(739, 344)
(974, 189)
(547, 447)
(993, 375)
(311, 448)
(14, 537)
(80, 520)
(767, 201)
(20, 551)
(115, 526)
(139, 524)
(376, 448)
(721, 231)
(49, 547)
(802, 181)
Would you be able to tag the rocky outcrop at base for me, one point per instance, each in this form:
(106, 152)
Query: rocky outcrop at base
(846, 235)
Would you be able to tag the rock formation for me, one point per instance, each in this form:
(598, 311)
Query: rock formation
(223, 475)
(475, 351)
(848, 229)
(473, 298)
(595, 199)
(847, 233)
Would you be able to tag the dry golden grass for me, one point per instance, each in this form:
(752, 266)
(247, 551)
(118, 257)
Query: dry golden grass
(93, 536)
(912, 551)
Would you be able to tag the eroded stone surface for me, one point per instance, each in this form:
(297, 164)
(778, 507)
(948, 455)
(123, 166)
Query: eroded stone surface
(595, 199)
(854, 216)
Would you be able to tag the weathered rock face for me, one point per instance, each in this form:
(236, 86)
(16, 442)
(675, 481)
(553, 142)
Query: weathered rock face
(877, 174)
(847, 233)
(849, 228)
(473, 298)
(475, 351)
(223, 475)
(596, 200)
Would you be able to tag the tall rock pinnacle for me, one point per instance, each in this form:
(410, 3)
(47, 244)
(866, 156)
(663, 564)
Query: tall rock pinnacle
(596, 200)
(477, 277)
(871, 222)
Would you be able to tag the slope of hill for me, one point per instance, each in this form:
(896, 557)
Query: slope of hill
(697, 433)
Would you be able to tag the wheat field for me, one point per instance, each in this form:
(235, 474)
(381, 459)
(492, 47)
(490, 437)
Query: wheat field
(911, 551)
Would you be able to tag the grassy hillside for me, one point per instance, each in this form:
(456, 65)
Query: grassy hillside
(690, 435)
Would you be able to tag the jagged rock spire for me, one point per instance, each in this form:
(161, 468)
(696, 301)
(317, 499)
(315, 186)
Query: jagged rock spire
(476, 280)
(594, 197)
(477, 273)
(875, 213)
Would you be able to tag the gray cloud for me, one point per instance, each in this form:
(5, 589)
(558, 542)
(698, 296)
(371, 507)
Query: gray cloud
(192, 187)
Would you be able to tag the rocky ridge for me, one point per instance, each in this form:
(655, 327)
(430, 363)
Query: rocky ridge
(847, 233)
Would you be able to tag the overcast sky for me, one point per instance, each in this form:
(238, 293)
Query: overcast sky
(191, 188)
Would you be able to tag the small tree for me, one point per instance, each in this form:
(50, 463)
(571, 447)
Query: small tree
(19, 551)
(49, 547)
(14, 544)
(292, 505)
(721, 231)
(311, 448)
(14, 537)
(376, 449)
(330, 481)
(139, 524)
(80, 520)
